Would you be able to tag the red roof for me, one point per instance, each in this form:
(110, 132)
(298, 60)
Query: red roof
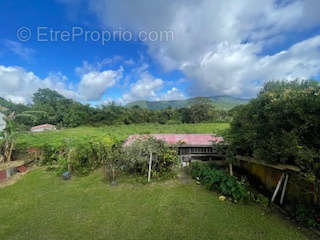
(32, 150)
(42, 126)
(186, 139)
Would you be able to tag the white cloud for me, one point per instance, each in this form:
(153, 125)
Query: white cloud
(129, 62)
(94, 84)
(95, 81)
(147, 87)
(18, 49)
(107, 101)
(219, 44)
(85, 68)
(236, 69)
(98, 66)
(172, 94)
(144, 89)
(18, 85)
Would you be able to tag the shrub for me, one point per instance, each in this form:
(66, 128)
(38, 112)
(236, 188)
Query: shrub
(307, 215)
(137, 157)
(80, 158)
(214, 179)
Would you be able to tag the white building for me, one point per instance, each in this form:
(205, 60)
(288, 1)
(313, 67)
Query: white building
(44, 127)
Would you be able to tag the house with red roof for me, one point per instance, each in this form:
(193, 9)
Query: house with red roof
(189, 145)
(43, 127)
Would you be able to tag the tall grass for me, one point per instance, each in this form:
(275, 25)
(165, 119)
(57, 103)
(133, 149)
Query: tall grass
(121, 132)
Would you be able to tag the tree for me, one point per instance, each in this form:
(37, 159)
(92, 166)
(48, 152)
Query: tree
(59, 110)
(282, 125)
(32, 118)
(51, 107)
(148, 155)
(47, 97)
(198, 112)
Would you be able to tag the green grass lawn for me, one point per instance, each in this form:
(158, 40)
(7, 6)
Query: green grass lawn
(122, 132)
(42, 206)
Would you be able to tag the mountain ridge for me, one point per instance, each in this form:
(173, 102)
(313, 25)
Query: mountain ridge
(220, 102)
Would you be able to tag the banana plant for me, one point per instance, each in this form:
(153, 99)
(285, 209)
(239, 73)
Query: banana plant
(8, 139)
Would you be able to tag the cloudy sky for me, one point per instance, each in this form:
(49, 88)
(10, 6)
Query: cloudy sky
(100, 51)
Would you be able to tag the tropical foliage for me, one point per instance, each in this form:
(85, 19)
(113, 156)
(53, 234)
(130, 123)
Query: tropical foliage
(77, 157)
(214, 179)
(282, 125)
(8, 139)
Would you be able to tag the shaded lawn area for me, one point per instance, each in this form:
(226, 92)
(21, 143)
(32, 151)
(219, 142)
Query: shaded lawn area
(42, 206)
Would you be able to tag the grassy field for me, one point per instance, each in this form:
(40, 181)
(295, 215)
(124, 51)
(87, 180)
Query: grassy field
(122, 132)
(42, 206)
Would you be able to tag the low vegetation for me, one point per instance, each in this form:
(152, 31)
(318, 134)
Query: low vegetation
(218, 180)
(82, 150)
(77, 157)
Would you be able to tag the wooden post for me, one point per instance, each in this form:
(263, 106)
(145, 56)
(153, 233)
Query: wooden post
(68, 160)
(284, 189)
(103, 158)
(277, 188)
(10, 151)
(230, 169)
(150, 164)
(105, 172)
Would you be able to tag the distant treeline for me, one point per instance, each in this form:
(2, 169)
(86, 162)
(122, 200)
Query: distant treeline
(51, 107)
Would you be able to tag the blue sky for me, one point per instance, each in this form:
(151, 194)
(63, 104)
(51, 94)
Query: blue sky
(219, 48)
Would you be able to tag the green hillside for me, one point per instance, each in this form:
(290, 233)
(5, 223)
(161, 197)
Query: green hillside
(221, 103)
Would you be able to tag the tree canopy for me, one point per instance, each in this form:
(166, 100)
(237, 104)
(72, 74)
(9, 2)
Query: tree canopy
(282, 125)
(51, 107)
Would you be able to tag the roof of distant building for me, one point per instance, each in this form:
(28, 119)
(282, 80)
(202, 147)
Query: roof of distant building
(185, 139)
(42, 126)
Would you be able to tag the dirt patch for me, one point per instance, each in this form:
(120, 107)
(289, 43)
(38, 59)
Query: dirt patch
(184, 175)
